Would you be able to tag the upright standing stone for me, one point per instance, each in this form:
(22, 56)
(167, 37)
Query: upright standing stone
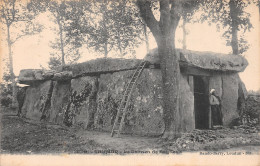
(35, 100)
(59, 101)
(82, 102)
(215, 82)
(229, 98)
(186, 106)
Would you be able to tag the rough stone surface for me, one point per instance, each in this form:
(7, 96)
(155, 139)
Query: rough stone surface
(213, 61)
(62, 76)
(145, 111)
(215, 82)
(81, 106)
(152, 57)
(186, 106)
(38, 74)
(20, 98)
(29, 76)
(242, 96)
(59, 101)
(147, 102)
(203, 60)
(48, 74)
(229, 98)
(89, 94)
(35, 100)
(242, 92)
(108, 99)
(103, 65)
(207, 60)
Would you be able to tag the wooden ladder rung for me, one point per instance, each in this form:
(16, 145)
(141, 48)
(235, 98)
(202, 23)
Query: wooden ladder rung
(125, 100)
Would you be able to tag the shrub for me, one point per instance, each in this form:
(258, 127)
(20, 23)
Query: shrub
(6, 94)
(251, 110)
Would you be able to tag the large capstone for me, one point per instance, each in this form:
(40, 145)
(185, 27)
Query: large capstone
(63, 76)
(102, 65)
(29, 76)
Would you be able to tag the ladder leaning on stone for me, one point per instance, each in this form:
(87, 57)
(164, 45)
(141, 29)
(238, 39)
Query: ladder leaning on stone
(121, 112)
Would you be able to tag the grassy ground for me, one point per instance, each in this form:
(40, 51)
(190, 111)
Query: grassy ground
(22, 136)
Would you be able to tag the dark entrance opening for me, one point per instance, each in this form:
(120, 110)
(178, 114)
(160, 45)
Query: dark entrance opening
(201, 102)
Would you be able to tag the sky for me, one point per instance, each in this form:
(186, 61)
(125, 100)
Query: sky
(34, 51)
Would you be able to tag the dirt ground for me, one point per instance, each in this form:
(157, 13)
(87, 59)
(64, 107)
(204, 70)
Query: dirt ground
(22, 136)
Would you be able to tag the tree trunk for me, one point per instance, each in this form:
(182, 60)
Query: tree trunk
(106, 49)
(119, 44)
(184, 34)
(258, 12)
(164, 34)
(61, 44)
(146, 39)
(14, 87)
(234, 25)
(170, 85)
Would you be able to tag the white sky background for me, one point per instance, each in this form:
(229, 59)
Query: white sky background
(33, 51)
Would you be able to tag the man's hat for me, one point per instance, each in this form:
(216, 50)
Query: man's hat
(212, 90)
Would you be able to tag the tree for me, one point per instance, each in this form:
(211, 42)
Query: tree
(146, 38)
(232, 17)
(145, 33)
(164, 34)
(115, 27)
(187, 16)
(67, 15)
(258, 4)
(100, 37)
(127, 26)
(6, 90)
(14, 14)
(54, 63)
(64, 14)
(239, 20)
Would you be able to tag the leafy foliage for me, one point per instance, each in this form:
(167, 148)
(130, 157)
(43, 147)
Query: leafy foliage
(54, 63)
(6, 90)
(232, 17)
(108, 26)
(14, 14)
(251, 111)
(64, 14)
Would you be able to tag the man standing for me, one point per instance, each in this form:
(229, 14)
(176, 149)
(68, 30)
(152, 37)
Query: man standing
(215, 104)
